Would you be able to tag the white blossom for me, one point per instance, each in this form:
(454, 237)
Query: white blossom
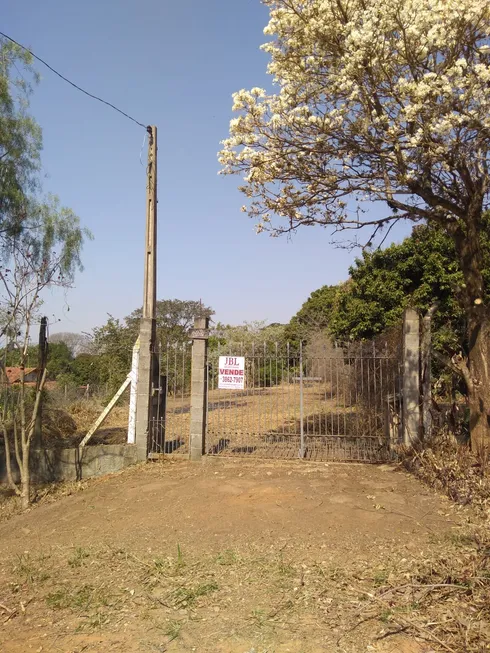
(385, 97)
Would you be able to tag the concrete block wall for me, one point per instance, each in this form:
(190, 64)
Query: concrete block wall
(52, 465)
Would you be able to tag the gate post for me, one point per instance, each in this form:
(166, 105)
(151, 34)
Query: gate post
(411, 377)
(200, 336)
(144, 390)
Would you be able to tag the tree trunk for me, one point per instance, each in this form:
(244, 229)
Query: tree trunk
(25, 479)
(475, 372)
(479, 387)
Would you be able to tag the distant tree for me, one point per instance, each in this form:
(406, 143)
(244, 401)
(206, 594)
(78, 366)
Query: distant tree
(86, 369)
(174, 318)
(257, 341)
(77, 343)
(380, 101)
(113, 342)
(60, 360)
(242, 336)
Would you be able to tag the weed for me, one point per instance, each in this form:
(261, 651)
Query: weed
(31, 569)
(97, 621)
(380, 578)
(173, 629)
(168, 566)
(337, 574)
(180, 559)
(81, 599)
(187, 596)
(259, 617)
(462, 539)
(286, 568)
(57, 600)
(161, 565)
(78, 557)
(226, 558)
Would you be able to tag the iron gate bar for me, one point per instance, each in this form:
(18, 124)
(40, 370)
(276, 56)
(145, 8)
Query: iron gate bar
(337, 403)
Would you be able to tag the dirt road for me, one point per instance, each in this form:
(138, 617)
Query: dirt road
(225, 557)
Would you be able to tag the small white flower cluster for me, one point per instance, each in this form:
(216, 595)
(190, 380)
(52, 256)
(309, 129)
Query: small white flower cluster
(371, 95)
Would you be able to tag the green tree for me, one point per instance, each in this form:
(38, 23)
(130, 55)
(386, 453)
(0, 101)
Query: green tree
(174, 318)
(114, 341)
(86, 369)
(421, 271)
(20, 139)
(380, 101)
(314, 316)
(60, 360)
(257, 341)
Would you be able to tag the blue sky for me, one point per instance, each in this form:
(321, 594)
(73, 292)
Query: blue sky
(173, 64)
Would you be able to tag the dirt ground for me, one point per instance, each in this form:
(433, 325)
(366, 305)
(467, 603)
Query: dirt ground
(225, 557)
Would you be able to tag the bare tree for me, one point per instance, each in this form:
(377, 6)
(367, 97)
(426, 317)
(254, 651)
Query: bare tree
(45, 256)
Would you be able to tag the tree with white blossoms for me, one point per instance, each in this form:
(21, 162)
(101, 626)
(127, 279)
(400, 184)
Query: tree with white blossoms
(384, 101)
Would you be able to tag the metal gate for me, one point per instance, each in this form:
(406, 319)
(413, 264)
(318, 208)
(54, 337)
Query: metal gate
(169, 429)
(321, 403)
(326, 403)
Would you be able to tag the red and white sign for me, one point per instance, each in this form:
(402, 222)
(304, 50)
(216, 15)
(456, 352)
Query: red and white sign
(231, 373)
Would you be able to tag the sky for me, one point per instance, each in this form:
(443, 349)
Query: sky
(174, 65)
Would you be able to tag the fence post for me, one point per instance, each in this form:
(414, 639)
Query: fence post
(411, 377)
(301, 404)
(144, 389)
(200, 336)
(426, 360)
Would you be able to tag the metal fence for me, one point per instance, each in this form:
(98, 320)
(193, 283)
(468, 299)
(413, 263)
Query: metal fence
(169, 430)
(339, 403)
(332, 403)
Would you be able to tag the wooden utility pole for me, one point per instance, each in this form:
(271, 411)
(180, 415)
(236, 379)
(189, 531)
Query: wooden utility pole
(145, 390)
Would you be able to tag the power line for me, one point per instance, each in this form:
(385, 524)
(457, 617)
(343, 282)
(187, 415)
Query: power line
(72, 83)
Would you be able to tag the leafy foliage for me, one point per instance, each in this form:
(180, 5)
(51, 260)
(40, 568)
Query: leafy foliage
(315, 314)
(20, 139)
(174, 318)
(113, 342)
(420, 271)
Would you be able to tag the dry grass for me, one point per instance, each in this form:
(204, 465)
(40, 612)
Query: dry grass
(66, 421)
(259, 596)
(445, 597)
(442, 597)
(451, 468)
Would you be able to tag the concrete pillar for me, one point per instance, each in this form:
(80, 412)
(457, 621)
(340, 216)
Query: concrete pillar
(199, 388)
(144, 388)
(411, 377)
